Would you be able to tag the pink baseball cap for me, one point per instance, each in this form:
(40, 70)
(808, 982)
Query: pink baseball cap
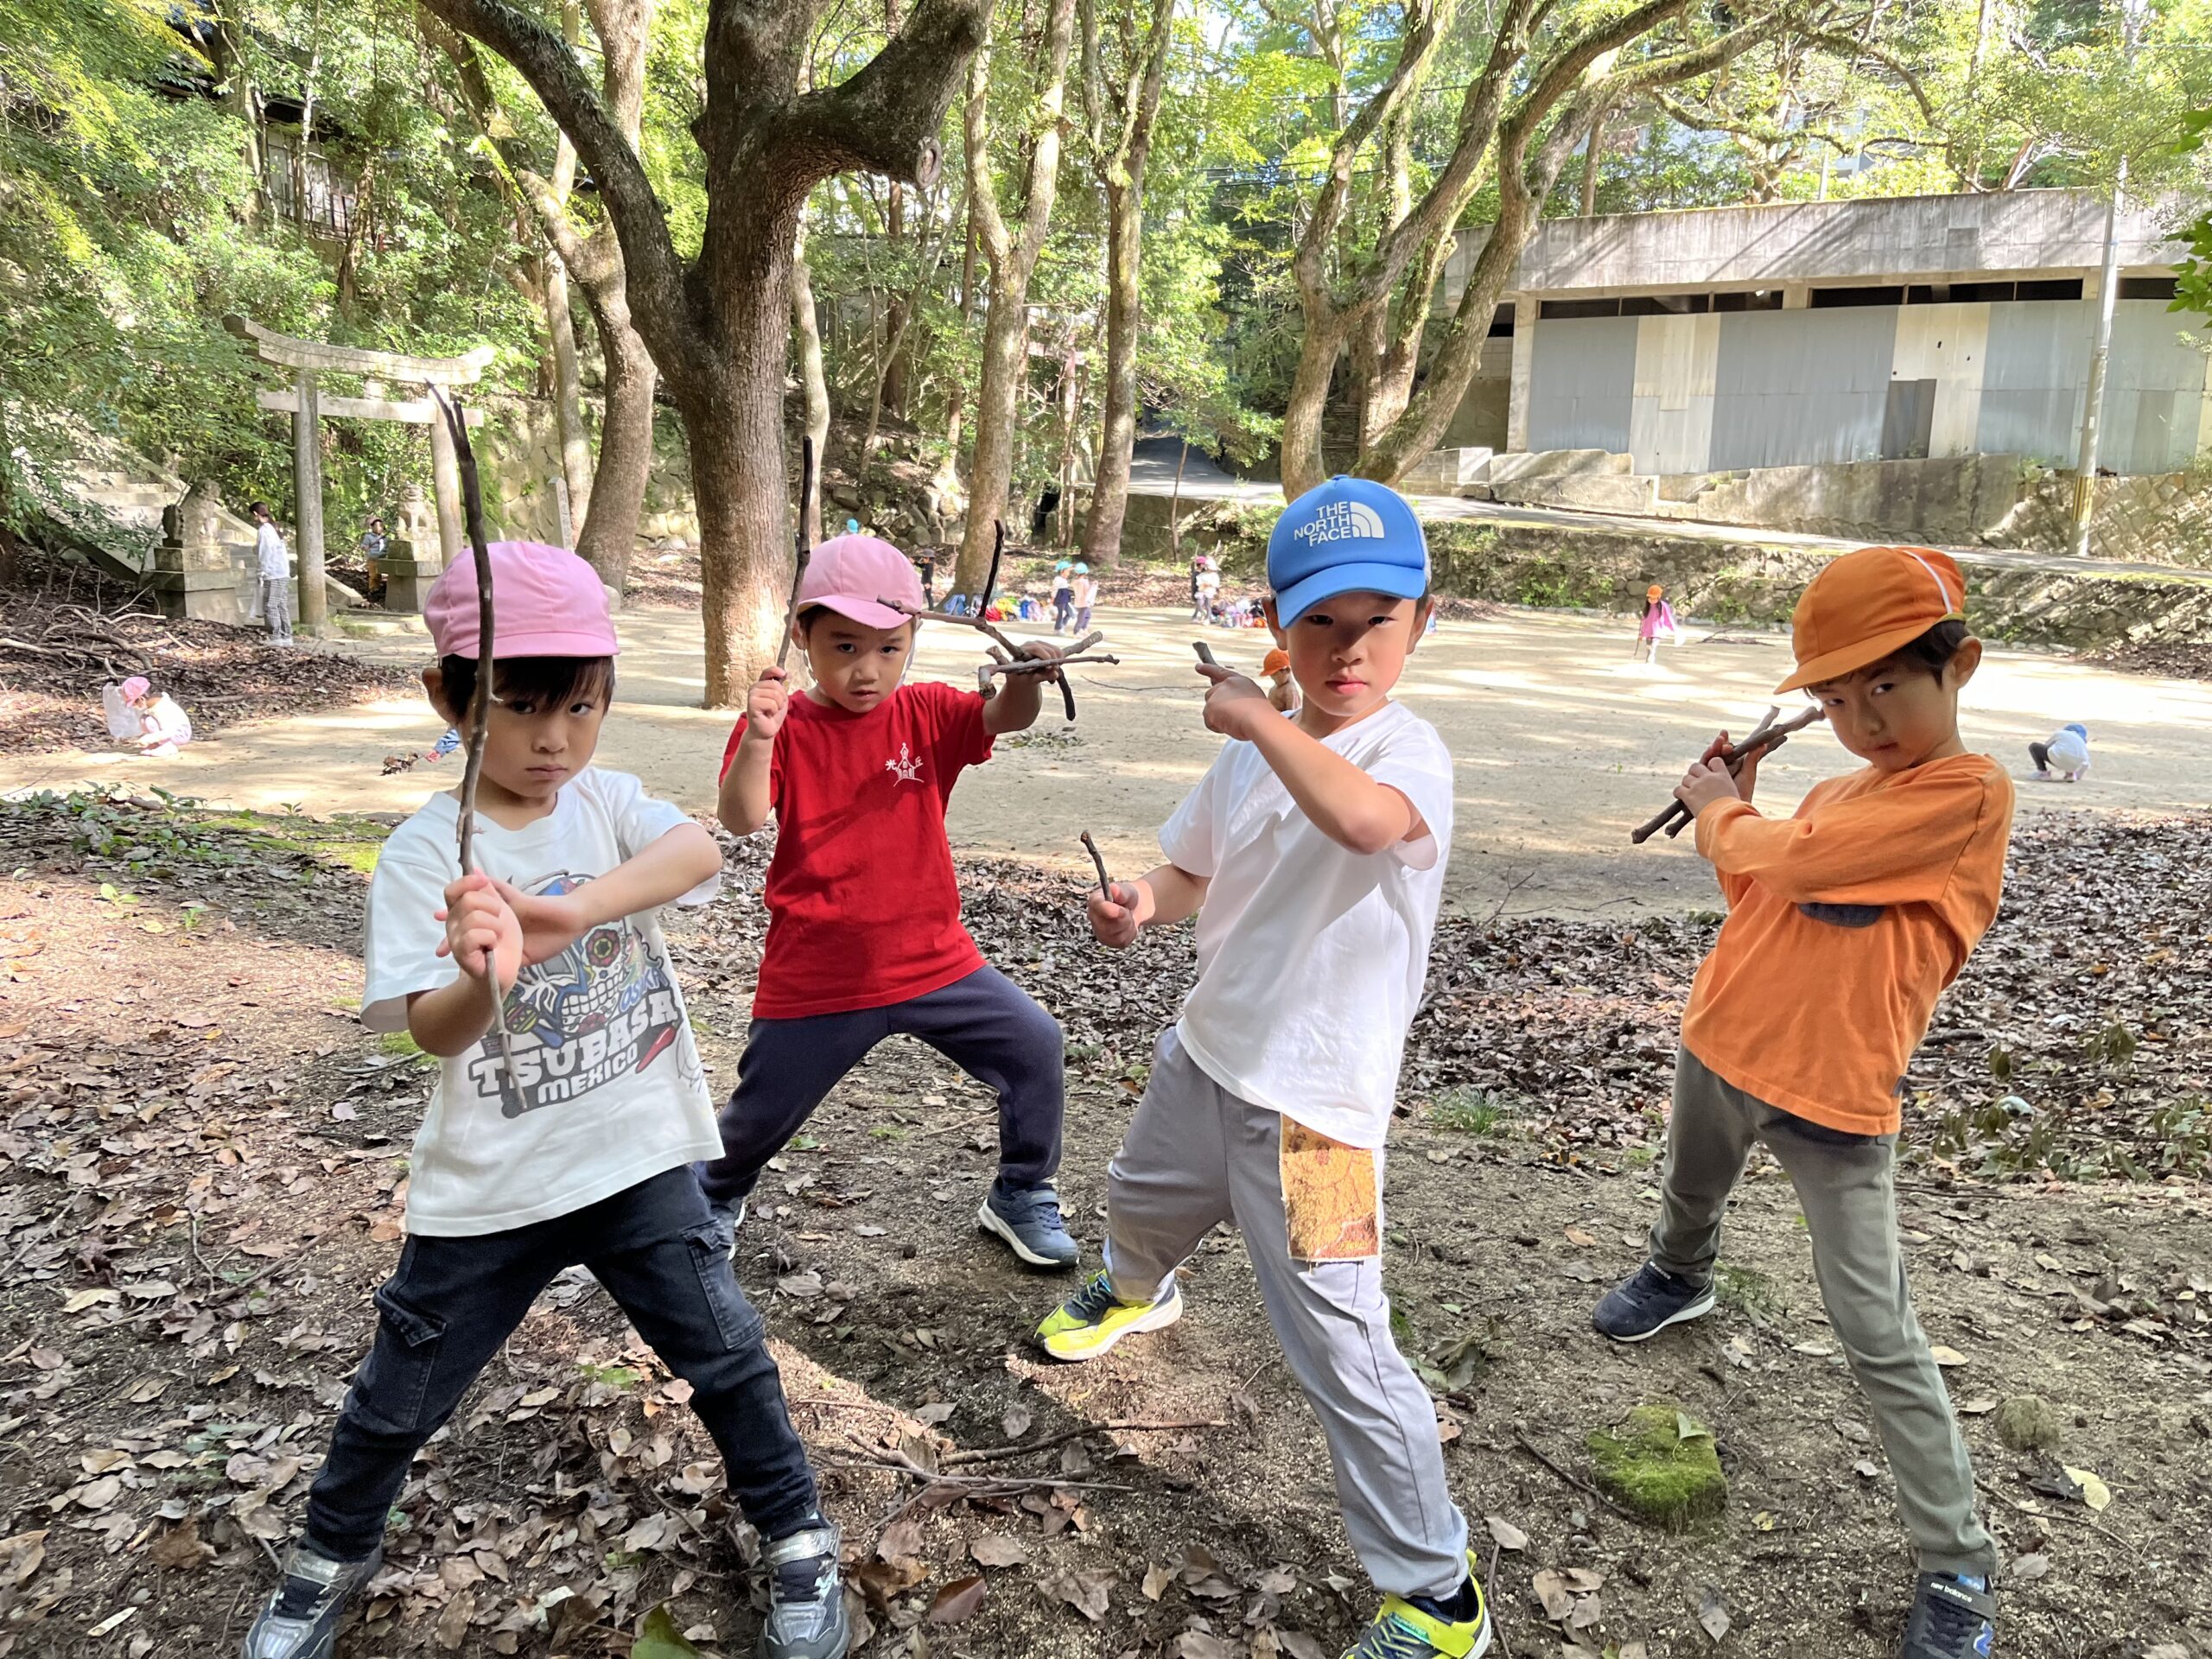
(136, 687)
(854, 575)
(545, 602)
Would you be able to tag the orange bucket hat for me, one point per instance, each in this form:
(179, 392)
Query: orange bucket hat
(1867, 604)
(1654, 591)
(1277, 661)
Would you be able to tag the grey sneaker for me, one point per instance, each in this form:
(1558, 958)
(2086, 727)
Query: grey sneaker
(806, 1600)
(1028, 1219)
(1952, 1617)
(300, 1621)
(1649, 1303)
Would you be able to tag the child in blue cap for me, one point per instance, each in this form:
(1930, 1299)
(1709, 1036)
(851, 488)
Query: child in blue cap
(1312, 855)
(2066, 749)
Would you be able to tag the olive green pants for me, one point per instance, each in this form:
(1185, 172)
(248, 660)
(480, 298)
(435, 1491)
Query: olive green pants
(1845, 1189)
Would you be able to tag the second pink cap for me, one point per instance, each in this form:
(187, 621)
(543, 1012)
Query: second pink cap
(854, 575)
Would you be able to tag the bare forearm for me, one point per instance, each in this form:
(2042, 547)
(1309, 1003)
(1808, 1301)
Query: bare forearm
(659, 874)
(742, 802)
(451, 1019)
(1340, 800)
(1021, 698)
(1167, 895)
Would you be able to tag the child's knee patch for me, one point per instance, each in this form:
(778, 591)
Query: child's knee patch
(1332, 1196)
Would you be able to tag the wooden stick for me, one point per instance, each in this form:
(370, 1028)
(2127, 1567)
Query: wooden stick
(1045, 1443)
(1205, 652)
(1105, 885)
(480, 708)
(1042, 664)
(976, 621)
(1764, 738)
(798, 570)
(998, 547)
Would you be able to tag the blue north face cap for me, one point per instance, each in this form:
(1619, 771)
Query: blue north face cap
(1348, 535)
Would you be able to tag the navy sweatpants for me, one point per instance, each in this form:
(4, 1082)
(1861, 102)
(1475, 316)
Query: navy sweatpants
(985, 1024)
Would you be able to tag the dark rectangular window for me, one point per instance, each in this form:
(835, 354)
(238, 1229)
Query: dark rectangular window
(2146, 287)
(1667, 305)
(1826, 297)
(2068, 288)
(1981, 293)
(1501, 322)
(1928, 294)
(1763, 299)
(1565, 311)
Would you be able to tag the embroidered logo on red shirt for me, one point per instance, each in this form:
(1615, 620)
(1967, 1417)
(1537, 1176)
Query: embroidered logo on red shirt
(907, 768)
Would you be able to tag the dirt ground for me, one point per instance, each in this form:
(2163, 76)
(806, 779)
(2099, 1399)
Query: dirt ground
(200, 1175)
(1562, 744)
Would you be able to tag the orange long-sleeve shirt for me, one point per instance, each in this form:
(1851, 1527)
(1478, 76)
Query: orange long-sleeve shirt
(1845, 923)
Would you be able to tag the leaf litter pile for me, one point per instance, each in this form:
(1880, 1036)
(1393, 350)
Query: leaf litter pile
(55, 657)
(202, 1177)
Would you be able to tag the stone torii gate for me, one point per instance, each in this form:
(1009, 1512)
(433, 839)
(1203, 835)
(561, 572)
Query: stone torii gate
(307, 407)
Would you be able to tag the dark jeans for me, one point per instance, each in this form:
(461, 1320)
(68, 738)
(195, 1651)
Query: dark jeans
(2040, 753)
(1063, 608)
(453, 1301)
(985, 1024)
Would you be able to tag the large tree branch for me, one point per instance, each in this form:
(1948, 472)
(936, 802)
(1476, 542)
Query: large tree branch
(886, 117)
(654, 271)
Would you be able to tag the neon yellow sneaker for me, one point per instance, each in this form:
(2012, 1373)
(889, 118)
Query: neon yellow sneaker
(1095, 1319)
(1418, 1629)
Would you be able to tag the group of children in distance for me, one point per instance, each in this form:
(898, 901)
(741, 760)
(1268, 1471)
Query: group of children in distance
(1312, 854)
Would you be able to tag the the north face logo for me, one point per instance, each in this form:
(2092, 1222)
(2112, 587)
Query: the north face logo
(1341, 521)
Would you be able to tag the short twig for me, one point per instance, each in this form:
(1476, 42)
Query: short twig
(1105, 883)
(1569, 1477)
(987, 1454)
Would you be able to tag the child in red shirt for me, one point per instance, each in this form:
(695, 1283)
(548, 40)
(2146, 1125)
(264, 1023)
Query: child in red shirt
(864, 934)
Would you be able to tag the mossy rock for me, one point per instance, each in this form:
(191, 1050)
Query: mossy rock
(1660, 1466)
(2027, 1422)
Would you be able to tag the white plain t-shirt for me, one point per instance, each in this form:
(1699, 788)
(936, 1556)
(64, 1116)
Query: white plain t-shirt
(611, 1088)
(1311, 956)
(275, 564)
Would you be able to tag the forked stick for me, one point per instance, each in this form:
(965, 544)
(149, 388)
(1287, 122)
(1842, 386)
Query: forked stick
(480, 708)
(1764, 738)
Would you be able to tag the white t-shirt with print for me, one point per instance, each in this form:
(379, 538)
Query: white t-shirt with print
(612, 1091)
(1311, 956)
(275, 564)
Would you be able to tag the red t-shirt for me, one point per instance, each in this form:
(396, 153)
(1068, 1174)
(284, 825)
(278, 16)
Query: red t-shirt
(863, 907)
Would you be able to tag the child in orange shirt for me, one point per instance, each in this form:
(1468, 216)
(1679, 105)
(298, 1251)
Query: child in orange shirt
(1846, 922)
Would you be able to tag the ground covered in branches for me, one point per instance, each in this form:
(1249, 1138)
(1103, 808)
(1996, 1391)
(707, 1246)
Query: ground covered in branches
(201, 1178)
(56, 655)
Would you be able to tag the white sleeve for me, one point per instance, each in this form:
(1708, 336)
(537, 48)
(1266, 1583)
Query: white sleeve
(400, 943)
(639, 820)
(1191, 836)
(1416, 764)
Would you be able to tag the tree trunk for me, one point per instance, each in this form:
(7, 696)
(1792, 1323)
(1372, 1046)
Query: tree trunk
(567, 392)
(609, 533)
(1304, 465)
(1004, 367)
(1125, 180)
(811, 381)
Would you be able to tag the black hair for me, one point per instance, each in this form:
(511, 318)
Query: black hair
(540, 680)
(260, 507)
(1934, 650)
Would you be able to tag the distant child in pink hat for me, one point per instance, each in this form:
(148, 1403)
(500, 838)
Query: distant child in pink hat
(584, 1154)
(864, 934)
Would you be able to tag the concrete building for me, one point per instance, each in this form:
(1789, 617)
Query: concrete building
(1818, 332)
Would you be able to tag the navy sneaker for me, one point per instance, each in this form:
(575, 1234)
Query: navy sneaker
(1649, 1303)
(300, 1621)
(1028, 1219)
(806, 1601)
(1954, 1617)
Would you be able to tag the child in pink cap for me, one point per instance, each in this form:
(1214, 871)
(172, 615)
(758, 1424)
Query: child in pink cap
(864, 934)
(583, 1155)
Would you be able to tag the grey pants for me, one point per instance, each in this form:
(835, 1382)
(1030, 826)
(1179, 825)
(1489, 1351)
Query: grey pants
(1845, 1188)
(1196, 1154)
(277, 606)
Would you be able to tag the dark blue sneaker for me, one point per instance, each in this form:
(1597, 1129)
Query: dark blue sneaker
(301, 1620)
(1954, 1617)
(1028, 1219)
(1648, 1304)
